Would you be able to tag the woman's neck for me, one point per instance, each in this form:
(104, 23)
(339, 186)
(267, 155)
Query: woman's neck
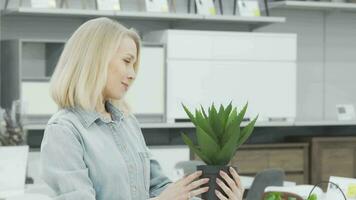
(102, 111)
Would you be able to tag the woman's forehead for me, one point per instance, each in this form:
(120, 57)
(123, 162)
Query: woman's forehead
(127, 46)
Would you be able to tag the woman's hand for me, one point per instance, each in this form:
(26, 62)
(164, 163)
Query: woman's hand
(185, 188)
(234, 189)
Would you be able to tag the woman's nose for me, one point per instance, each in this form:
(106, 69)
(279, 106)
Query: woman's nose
(131, 73)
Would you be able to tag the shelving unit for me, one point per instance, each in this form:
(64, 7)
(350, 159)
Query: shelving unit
(258, 124)
(309, 5)
(252, 22)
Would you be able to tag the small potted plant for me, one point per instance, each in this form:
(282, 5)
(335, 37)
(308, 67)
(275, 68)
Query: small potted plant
(11, 130)
(218, 135)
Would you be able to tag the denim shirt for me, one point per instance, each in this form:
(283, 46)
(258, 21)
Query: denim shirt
(85, 157)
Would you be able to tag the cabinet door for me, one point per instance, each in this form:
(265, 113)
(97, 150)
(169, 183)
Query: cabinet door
(269, 87)
(254, 46)
(146, 96)
(335, 156)
(189, 45)
(337, 162)
(36, 98)
(250, 161)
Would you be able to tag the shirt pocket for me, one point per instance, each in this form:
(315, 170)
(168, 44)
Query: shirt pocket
(145, 160)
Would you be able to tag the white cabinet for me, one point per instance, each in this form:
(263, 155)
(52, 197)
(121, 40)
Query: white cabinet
(184, 45)
(254, 46)
(210, 66)
(146, 96)
(36, 98)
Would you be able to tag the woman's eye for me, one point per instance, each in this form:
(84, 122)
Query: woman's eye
(127, 61)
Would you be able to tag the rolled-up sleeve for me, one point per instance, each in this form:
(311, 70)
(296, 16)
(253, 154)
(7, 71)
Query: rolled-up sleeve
(62, 164)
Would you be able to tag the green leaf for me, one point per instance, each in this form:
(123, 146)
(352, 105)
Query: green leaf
(234, 122)
(270, 196)
(228, 150)
(313, 197)
(227, 112)
(207, 144)
(215, 122)
(233, 128)
(232, 116)
(242, 113)
(204, 124)
(190, 115)
(221, 110)
(202, 109)
(199, 153)
(246, 132)
(222, 119)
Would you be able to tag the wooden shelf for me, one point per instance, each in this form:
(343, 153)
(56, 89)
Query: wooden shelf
(253, 22)
(310, 5)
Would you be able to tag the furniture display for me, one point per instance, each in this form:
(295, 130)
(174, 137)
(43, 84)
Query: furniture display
(332, 156)
(223, 66)
(292, 158)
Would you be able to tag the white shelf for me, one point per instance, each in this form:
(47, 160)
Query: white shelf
(169, 17)
(310, 5)
(258, 124)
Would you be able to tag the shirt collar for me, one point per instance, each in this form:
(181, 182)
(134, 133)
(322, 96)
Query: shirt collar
(90, 116)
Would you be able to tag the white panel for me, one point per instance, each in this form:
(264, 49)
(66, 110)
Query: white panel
(340, 62)
(146, 96)
(37, 99)
(189, 44)
(269, 87)
(252, 46)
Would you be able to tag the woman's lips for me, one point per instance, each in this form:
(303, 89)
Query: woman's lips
(125, 85)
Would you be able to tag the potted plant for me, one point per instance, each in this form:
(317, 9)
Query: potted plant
(218, 135)
(11, 130)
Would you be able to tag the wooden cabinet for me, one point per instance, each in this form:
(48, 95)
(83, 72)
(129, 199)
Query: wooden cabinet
(332, 156)
(291, 157)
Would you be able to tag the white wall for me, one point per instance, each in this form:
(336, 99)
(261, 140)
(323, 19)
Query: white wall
(326, 60)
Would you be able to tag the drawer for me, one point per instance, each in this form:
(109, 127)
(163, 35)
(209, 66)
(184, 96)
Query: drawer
(298, 178)
(250, 161)
(289, 160)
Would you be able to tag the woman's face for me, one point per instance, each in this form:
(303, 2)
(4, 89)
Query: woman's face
(121, 71)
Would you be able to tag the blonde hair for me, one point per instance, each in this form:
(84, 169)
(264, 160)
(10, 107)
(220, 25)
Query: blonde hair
(81, 72)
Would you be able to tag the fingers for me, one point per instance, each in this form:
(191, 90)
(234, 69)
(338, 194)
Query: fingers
(236, 177)
(197, 183)
(198, 191)
(220, 196)
(226, 189)
(229, 181)
(187, 180)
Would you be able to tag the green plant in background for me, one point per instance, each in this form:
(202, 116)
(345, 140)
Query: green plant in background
(273, 196)
(218, 133)
(313, 197)
(279, 196)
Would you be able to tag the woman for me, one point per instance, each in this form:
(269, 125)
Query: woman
(93, 147)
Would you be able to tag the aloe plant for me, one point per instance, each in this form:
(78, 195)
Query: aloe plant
(218, 133)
